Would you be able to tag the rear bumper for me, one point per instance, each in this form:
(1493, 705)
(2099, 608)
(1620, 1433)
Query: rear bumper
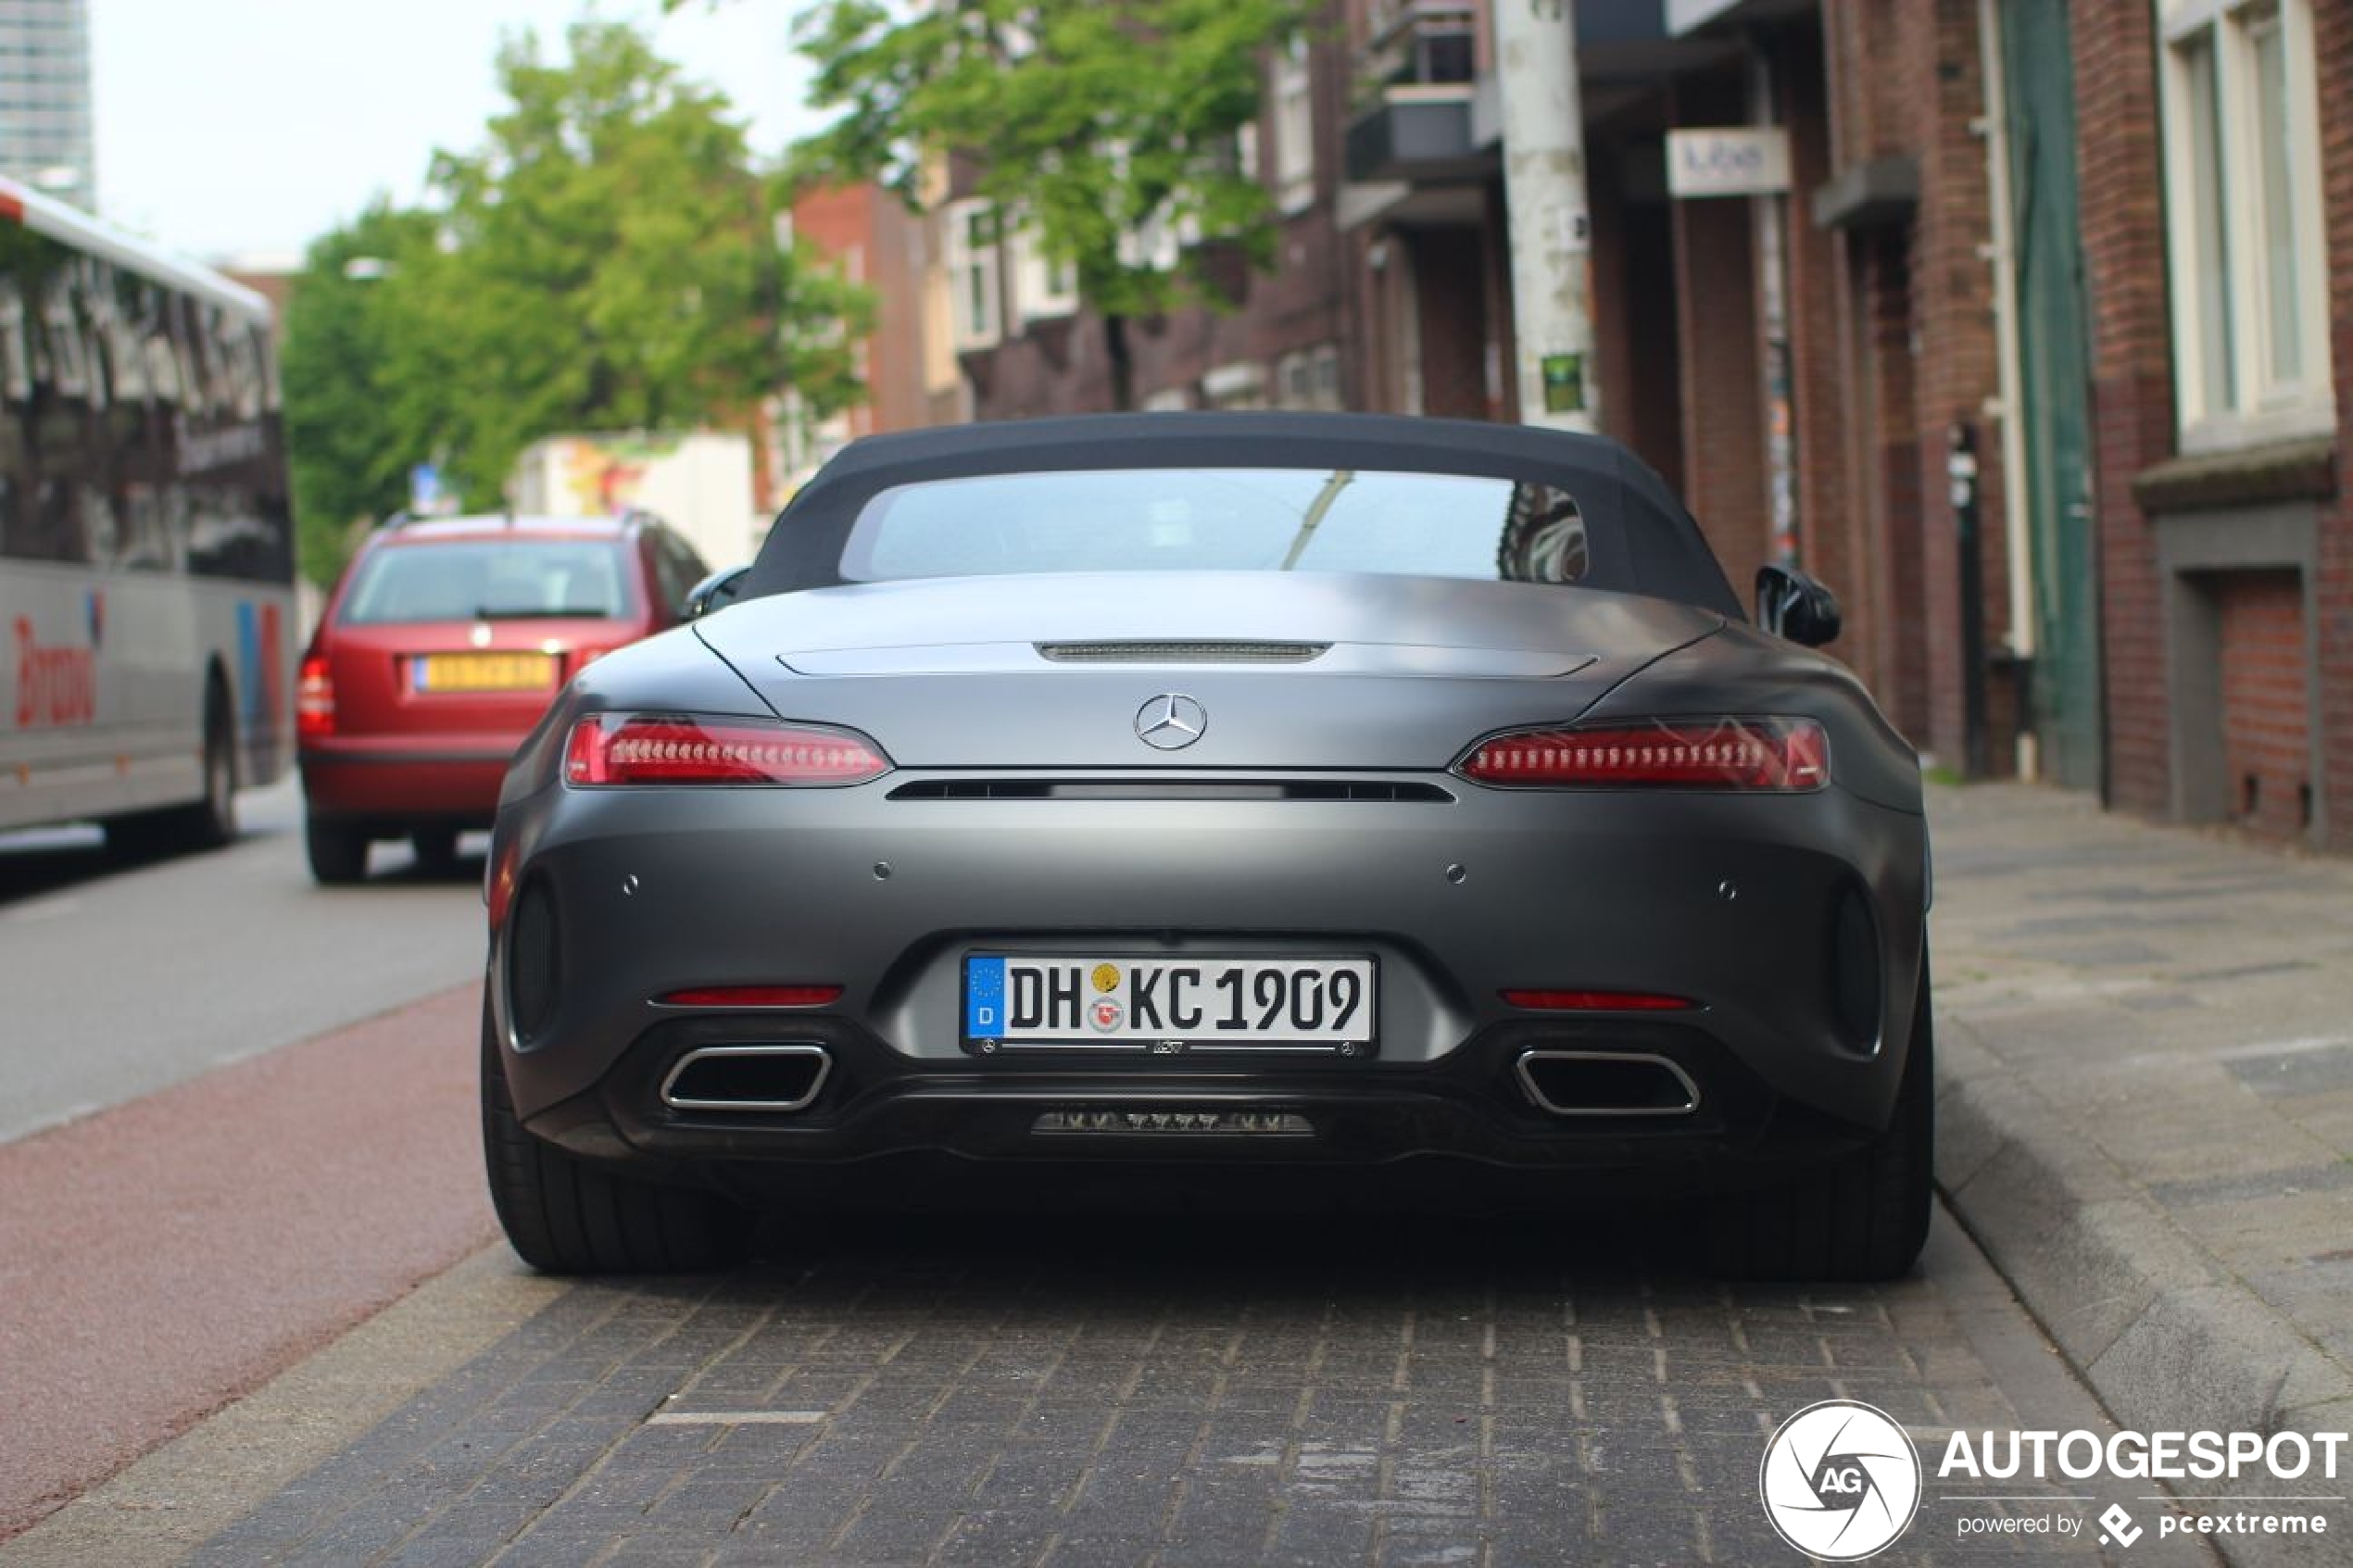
(428, 778)
(876, 1111)
(1734, 902)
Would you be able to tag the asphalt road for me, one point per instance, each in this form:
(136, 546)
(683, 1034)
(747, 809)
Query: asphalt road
(236, 1118)
(1020, 1389)
(121, 980)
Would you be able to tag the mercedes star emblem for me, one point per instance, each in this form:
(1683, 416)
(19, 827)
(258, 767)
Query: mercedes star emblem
(1170, 722)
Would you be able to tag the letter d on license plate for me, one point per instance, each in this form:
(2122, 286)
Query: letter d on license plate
(1167, 1004)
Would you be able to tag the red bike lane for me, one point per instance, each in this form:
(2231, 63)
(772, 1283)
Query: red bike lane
(163, 1257)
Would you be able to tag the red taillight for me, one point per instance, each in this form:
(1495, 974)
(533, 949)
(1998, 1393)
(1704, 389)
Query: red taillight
(1595, 1001)
(751, 997)
(315, 699)
(678, 749)
(1769, 754)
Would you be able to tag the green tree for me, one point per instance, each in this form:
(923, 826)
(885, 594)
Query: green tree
(606, 259)
(610, 261)
(348, 455)
(1088, 123)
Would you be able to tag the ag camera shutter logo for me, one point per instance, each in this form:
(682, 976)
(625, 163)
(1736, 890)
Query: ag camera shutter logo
(1840, 1480)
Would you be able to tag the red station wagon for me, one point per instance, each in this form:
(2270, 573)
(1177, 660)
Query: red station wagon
(438, 652)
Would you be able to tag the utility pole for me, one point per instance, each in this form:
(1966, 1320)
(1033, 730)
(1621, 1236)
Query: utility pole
(1551, 233)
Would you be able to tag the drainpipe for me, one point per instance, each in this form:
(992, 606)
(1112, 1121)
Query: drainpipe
(2007, 408)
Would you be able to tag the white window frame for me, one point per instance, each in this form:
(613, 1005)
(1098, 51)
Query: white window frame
(1308, 378)
(1294, 100)
(1043, 287)
(1153, 244)
(975, 298)
(2264, 406)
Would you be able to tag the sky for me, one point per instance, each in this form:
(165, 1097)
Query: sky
(237, 129)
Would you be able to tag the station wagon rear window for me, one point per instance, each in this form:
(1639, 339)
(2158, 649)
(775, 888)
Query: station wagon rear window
(1220, 519)
(488, 580)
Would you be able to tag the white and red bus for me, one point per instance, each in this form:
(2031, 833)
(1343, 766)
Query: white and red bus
(146, 548)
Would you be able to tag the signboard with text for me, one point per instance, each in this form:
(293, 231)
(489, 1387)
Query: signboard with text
(1741, 160)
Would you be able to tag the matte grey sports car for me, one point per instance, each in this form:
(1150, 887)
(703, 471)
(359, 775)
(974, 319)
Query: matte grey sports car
(1177, 806)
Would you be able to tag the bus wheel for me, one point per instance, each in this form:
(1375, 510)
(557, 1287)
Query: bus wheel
(213, 820)
(338, 851)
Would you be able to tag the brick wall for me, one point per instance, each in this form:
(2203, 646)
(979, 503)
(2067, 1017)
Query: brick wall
(1065, 367)
(1450, 269)
(1828, 543)
(1723, 479)
(1896, 345)
(1884, 451)
(2266, 704)
(2332, 23)
(2122, 207)
(1952, 325)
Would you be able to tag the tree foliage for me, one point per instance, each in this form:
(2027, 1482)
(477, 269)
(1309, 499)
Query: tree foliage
(1087, 122)
(348, 459)
(606, 259)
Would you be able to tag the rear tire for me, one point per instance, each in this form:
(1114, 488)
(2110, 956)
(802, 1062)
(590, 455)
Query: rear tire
(212, 822)
(338, 851)
(564, 1215)
(436, 849)
(1863, 1216)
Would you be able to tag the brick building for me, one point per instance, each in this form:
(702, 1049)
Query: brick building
(2056, 394)
(1027, 347)
(2217, 217)
(906, 362)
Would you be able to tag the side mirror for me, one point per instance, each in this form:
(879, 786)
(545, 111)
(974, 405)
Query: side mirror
(1791, 604)
(715, 592)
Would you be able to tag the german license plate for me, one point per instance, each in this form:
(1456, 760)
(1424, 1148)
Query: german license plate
(1169, 1006)
(483, 671)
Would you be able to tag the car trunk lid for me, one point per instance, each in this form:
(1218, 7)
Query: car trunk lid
(1304, 671)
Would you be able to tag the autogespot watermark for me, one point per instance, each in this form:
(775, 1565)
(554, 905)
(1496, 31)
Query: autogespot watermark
(1842, 1480)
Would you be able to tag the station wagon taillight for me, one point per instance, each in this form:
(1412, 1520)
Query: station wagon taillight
(1785, 755)
(315, 700)
(676, 748)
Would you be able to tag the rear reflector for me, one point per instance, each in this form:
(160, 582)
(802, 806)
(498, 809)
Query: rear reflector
(1762, 754)
(668, 748)
(751, 997)
(1595, 1001)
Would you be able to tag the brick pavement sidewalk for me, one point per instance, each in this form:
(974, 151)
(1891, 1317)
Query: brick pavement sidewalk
(2146, 1099)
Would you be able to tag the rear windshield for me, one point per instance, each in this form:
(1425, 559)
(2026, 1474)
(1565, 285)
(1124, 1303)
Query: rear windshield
(1220, 519)
(488, 579)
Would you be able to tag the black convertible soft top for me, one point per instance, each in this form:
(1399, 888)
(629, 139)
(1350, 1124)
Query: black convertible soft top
(1642, 539)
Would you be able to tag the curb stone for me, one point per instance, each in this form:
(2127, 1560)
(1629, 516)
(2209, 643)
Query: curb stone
(2169, 1342)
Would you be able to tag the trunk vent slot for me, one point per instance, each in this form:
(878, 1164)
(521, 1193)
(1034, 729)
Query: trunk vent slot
(1182, 653)
(1382, 790)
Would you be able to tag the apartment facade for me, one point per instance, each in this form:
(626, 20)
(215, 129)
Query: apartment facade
(2036, 345)
(45, 137)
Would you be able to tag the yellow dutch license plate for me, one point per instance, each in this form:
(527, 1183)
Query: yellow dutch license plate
(483, 671)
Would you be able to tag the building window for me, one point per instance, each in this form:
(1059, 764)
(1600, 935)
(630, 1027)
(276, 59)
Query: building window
(1042, 286)
(2248, 250)
(1294, 129)
(1241, 383)
(971, 273)
(1308, 378)
(1153, 244)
